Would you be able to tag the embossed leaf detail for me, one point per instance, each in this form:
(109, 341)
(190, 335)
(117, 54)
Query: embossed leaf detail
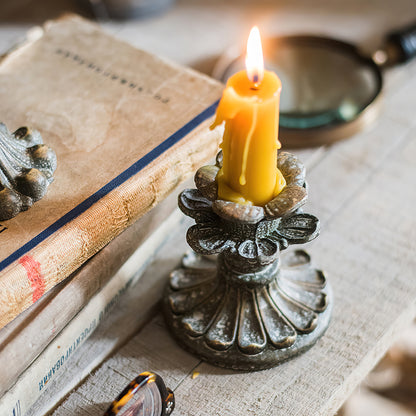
(195, 205)
(265, 250)
(267, 247)
(299, 228)
(208, 239)
(278, 240)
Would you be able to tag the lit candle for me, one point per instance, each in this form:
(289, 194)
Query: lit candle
(250, 108)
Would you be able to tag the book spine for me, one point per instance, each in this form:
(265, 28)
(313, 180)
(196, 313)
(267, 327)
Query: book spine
(26, 336)
(52, 361)
(43, 267)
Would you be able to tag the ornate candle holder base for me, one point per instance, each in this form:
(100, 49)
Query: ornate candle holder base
(236, 322)
(246, 308)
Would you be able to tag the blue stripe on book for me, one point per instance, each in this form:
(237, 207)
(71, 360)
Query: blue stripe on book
(117, 181)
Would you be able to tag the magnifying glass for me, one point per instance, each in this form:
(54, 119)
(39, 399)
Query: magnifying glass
(330, 89)
(146, 395)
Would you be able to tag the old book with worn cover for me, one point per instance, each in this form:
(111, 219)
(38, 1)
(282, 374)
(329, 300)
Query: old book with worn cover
(126, 126)
(23, 339)
(54, 359)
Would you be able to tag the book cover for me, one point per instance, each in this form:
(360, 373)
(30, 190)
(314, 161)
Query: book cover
(126, 126)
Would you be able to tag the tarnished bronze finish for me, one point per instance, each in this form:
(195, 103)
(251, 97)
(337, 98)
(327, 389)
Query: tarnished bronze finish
(26, 169)
(246, 308)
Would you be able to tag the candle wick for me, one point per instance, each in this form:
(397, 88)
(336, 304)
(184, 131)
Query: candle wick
(255, 80)
(255, 85)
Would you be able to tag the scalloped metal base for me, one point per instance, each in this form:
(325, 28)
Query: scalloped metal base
(244, 328)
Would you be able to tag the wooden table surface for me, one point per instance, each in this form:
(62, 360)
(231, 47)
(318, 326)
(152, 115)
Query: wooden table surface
(362, 189)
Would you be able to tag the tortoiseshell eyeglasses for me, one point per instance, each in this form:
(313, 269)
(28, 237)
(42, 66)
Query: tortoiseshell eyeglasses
(146, 395)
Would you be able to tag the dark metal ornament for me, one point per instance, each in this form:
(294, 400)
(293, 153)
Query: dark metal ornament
(26, 169)
(247, 308)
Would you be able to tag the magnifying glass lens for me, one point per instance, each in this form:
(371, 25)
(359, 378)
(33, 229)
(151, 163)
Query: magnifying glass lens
(324, 81)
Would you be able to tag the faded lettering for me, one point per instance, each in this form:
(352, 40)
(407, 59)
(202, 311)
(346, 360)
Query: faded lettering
(110, 75)
(70, 350)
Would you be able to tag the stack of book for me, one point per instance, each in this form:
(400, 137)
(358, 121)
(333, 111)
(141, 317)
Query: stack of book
(127, 128)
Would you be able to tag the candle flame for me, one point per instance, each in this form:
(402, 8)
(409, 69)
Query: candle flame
(254, 57)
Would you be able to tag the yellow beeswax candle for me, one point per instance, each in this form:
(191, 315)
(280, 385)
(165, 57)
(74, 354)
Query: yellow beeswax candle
(250, 108)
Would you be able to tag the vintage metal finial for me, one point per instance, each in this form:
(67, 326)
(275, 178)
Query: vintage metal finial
(246, 308)
(26, 169)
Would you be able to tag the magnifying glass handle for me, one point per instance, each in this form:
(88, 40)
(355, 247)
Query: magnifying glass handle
(404, 43)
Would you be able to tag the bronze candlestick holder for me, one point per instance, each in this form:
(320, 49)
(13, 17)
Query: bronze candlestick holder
(246, 308)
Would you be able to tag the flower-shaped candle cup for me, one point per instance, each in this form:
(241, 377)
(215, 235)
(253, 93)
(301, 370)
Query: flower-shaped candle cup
(246, 308)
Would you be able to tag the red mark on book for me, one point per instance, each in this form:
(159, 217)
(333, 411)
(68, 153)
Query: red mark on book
(34, 275)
